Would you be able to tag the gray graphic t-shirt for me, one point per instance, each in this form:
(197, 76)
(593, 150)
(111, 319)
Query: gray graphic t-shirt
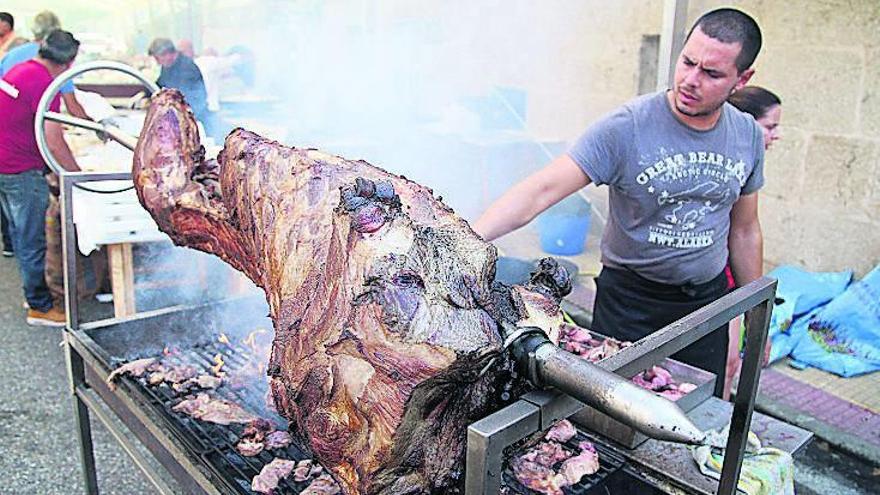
(671, 187)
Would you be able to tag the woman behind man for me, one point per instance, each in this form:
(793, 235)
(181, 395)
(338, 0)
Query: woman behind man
(766, 108)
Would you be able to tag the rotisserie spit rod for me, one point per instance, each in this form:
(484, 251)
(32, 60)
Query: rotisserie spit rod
(547, 365)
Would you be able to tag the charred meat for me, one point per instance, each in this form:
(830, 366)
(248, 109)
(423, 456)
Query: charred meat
(384, 304)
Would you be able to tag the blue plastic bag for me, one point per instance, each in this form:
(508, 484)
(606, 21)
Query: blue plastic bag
(798, 292)
(843, 336)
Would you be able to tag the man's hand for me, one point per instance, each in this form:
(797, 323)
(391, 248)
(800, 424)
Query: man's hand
(531, 196)
(73, 106)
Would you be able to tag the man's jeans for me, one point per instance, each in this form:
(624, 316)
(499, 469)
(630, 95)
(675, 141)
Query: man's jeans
(24, 198)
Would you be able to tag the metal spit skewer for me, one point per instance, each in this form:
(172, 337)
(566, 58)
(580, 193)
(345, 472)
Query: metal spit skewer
(545, 364)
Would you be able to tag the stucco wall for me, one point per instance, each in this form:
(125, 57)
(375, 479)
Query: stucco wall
(820, 208)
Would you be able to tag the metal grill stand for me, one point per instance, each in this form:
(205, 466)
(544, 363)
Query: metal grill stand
(537, 411)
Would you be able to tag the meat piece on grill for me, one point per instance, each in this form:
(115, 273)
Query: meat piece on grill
(249, 447)
(384, 301)
(205, 408)
(134, 368)
(277, 440)
(322, 485)
(561, 432)
(575, 468)
(660, 380)
(272, 474)
(548, 467)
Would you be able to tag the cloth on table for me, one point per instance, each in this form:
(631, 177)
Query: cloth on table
(765, 470)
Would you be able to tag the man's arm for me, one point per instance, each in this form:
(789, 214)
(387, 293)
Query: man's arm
(746, 245)
(746, 242)
(73, 106)
(527, 199)
(58, 146)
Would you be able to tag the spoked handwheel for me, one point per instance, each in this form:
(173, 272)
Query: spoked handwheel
(111, 131)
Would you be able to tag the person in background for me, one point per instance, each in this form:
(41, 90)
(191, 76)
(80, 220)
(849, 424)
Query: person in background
(766, 108)
(44, 23)
(684, 169)
(181, 73)
(185, 47)
(7, 36)
(24, 191)
(7, 32)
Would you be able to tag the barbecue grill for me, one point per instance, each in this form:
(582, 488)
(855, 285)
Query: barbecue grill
(202, 456)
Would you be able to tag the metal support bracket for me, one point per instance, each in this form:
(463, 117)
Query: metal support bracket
(488, 437)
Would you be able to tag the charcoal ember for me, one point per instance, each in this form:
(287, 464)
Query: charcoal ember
(271, 474)
(384, 302)
(277, 440)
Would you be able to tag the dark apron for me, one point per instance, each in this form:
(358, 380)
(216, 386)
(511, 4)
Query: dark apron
(630, 307)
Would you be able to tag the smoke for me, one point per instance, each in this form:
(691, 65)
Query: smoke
(440, 95)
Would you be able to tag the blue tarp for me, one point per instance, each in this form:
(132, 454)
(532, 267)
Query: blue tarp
(825, 321)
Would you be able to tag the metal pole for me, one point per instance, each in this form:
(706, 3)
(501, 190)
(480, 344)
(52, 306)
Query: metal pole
(757, 323)
(671, 40)
(77, 379)
(68, 237)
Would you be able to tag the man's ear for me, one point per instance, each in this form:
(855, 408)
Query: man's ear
(743, 79)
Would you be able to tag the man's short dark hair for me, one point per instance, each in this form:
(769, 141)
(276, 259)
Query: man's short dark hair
(160, 46)
(8, 19)
(732, 26)
(60, 47)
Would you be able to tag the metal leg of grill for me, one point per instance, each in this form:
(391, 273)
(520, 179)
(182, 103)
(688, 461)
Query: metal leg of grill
(757, 323)
(487, 440)
(76, 375)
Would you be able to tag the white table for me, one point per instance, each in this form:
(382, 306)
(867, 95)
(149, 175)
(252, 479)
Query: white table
(117, 221)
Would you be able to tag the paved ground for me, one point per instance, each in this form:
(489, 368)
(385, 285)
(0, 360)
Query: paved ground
(38, 445)
(39, 449)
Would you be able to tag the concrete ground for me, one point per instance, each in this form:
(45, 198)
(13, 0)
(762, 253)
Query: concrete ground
(39, 450)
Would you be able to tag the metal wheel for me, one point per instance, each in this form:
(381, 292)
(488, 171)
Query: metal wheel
(44, 114)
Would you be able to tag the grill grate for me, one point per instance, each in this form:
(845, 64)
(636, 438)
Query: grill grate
(609, 463)
(216, 443)
(213, 442)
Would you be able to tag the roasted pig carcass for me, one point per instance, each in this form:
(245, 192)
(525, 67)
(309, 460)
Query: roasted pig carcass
(386, 313)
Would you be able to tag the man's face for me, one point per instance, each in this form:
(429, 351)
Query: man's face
(5, 28)
(706, 74)
(165, 59)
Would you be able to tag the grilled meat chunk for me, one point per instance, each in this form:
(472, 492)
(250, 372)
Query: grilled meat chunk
(271, 474)
(205, 408)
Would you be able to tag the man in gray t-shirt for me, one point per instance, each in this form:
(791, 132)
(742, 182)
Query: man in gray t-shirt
(683, 169)
(672, 187)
